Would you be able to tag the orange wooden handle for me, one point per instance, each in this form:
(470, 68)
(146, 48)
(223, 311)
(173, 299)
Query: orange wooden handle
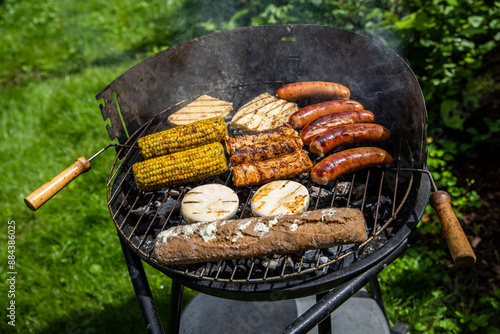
(40, 196)
(459, 246)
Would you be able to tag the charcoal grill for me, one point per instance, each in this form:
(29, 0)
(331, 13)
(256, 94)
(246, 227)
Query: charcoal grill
(237, 66)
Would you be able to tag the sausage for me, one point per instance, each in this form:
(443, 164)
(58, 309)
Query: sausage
(325, 123)
(313, 90)
(307, 114)
(348, 135)
(349, 161)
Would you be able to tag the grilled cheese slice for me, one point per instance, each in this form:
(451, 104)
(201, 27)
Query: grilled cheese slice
(202, 108)
(282, 197)
(209, 202)
(263, 113)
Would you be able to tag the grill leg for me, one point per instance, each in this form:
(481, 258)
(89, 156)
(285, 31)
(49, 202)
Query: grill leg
(377, 294)
(142, 291)
(176, 293)
(325, 326)
(337, 296)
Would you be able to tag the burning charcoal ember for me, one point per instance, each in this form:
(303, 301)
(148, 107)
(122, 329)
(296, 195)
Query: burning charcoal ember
(244, 264)
(303, 178)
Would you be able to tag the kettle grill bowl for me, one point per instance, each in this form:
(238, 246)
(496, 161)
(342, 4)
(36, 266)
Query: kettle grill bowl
(240, 64)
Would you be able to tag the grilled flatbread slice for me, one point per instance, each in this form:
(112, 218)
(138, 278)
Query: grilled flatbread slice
(263, 113)
(202, 108)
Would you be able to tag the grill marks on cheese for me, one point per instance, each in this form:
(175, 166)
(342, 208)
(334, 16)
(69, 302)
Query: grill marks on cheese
(209, 202)
(262, 113)
(280, 198)
(202, 108)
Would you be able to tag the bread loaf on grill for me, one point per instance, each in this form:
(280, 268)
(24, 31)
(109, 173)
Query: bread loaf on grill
(259, 236)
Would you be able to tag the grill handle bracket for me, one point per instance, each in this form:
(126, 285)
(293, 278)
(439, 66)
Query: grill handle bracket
(459, 246)
(40, 196)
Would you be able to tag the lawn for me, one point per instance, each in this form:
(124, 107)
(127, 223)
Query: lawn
(70, 272)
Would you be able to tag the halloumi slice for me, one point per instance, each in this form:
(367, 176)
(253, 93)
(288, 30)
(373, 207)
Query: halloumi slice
(202, 108)
(209, 202)
(282, 197)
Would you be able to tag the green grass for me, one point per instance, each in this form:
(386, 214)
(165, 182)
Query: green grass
(71, 274)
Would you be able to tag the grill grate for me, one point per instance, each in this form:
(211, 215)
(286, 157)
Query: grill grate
(378, 192)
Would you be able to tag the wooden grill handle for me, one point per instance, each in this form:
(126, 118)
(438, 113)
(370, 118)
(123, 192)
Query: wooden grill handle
(459, 246)
(40, 196)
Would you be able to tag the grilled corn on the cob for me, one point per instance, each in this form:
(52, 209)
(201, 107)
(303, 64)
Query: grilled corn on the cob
(183, 137)
(180, 167)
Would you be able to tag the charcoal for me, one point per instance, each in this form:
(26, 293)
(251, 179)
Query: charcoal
(324, 195)
(170, 205)
(271, 263)
(342, 189)
(373, 245)
(384, 208)
(311, 255)
(139, 211)
(358, 193)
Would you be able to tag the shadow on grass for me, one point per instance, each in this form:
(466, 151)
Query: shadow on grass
(123, 318)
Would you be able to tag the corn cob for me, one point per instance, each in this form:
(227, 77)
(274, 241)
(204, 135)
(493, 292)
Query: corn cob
(183, 137)
(180, 167)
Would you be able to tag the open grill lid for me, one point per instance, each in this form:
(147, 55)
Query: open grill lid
(236, 66)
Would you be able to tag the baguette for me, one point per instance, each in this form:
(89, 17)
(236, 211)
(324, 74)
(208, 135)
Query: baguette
(259, 236)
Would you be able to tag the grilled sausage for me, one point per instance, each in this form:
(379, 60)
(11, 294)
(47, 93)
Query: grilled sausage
(349, 161)
(325, 123)
(308, 114)
(348, 135)
(313, 90)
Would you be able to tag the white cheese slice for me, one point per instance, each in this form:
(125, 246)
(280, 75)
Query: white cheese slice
(202, 108)
(280, 198)
(209, 202)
